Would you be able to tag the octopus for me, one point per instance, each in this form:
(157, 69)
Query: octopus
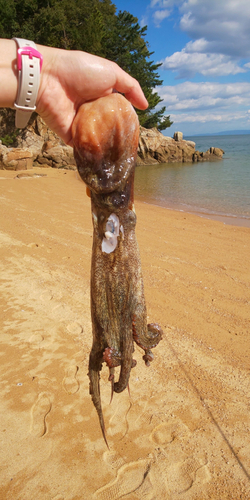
(105, 136)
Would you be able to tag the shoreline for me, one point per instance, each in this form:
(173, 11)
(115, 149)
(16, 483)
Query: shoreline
(232, 220)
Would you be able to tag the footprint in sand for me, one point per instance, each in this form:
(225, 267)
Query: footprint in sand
(179, 470)
(182, 476)
(75, 328)
(46, 296)
(166, 433)
(39, 412)
(113, 459)
(36, 339)
(130, 478)
(70, 382)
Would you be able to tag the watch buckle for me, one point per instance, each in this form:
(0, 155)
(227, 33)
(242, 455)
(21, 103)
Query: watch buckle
(28, 51)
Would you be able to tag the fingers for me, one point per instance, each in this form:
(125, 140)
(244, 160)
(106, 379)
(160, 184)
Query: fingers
(137, 98)
(130, 87)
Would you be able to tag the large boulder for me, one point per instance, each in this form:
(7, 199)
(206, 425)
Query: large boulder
(56, 155)
(178, 136)
(154, 147)
(36, 145)
(217, 152)
(15, 158)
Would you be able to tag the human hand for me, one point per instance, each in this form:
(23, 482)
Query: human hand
(70, 78)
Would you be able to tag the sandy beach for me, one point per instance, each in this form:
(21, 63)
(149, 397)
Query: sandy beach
(183, 432)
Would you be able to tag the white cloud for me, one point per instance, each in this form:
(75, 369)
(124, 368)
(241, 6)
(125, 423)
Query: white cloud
(208, 117)
(162, 4)
(159, 15)
(189, 96)
(187, 64)
(164, 9)
(219, 32)
(219, 45)
(144, 21)
(224, 24)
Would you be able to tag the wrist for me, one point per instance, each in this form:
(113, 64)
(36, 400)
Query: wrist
(8, 73)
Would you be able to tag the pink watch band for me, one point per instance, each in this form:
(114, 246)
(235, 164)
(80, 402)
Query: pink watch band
(29, 65)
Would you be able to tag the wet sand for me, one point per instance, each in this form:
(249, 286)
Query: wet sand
(183, 433)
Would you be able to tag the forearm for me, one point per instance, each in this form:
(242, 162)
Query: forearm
(8, 73)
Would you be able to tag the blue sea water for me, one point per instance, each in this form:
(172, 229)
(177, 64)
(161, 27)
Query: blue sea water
(218, 189)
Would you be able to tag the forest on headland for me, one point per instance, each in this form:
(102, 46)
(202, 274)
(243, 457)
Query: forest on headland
(96, 27)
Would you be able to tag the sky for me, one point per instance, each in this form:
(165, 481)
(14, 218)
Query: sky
(204, 48)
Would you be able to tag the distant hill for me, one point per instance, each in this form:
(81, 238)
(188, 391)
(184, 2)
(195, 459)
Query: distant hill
(233, 132)
(225, 132)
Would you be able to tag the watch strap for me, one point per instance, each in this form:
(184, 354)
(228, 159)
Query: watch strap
(29, 63)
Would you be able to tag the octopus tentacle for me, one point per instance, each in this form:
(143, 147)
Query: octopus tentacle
(126, 364)
(146, 340)
(112, 357)
(94, 388)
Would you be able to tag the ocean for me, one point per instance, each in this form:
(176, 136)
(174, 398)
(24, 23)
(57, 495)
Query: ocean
(218, 190)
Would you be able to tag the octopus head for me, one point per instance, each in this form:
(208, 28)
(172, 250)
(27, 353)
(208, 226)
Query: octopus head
(105, 135)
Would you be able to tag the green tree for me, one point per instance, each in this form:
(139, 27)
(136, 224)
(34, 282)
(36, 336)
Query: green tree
(8, 23)
(125, 44)
(92, 26)
(75, 24)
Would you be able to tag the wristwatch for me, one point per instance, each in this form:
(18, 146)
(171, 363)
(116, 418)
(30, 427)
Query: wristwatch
(29, 65)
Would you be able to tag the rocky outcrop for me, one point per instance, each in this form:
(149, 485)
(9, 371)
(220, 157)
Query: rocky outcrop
(15, 158)
(56, 156)
(154, 147)
(210, 155)
(37, 145)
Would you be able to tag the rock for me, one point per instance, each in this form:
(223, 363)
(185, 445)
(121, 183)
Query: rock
(205, 156)
(178, 136)
(212, 154)
(188, 150)
(15, 158)
(56, 156)
(29, 176)
(154, 147)
(37, 145)
(191, 143)
(41, 146)
(217, 152)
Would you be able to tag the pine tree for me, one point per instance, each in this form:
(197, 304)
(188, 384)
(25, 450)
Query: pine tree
(91, 26)
(125, 44)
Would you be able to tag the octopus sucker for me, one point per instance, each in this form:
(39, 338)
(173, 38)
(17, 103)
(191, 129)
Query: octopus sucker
(105, 136)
